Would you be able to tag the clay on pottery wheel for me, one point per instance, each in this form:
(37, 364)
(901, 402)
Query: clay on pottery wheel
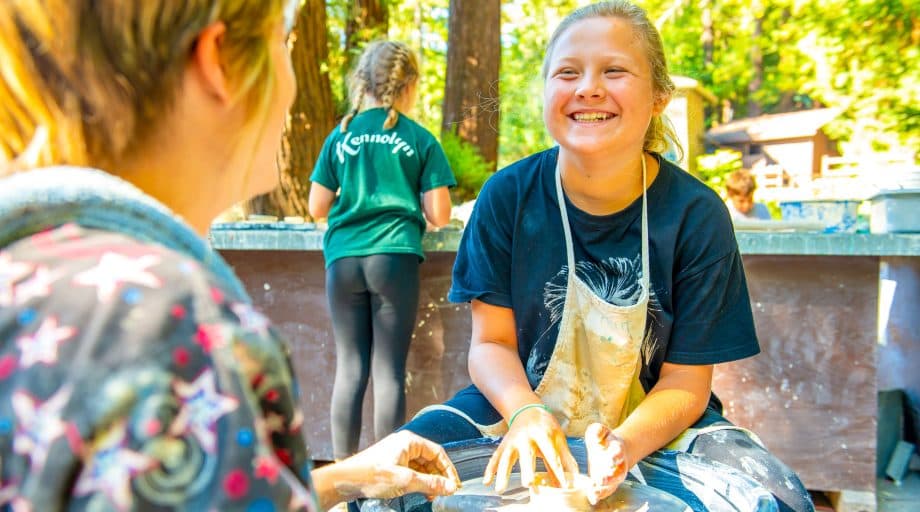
(544, 496)
(473, 496)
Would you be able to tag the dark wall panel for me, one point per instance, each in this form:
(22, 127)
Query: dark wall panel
(811, 393)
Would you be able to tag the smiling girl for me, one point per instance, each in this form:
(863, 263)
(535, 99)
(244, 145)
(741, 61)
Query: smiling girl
(604, 282)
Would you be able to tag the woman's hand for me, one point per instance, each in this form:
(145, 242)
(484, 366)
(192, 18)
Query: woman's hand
(534, 433)
(606, 461)
(399, 464)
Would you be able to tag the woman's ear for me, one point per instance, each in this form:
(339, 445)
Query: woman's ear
(207, 62)
(661, 102)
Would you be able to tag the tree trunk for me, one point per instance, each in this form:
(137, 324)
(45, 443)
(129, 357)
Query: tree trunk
(368, 20)
(471, 90)
(312, 116)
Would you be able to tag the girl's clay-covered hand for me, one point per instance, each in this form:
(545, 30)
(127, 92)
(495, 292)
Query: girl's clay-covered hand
(606, 461)
(399, 464)
(533, 433)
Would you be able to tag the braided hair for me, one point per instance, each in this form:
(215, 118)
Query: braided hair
(385, 71)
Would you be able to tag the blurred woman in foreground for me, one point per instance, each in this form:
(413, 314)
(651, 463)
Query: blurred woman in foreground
(134, 372)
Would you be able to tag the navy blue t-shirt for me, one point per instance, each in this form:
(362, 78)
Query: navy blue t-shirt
(513, 254)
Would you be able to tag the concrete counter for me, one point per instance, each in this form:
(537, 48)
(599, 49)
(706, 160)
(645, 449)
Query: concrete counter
(281, 237)
(836, 316)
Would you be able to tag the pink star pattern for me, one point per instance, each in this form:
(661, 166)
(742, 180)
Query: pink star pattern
(8, 366)
(39, 425)
(114, 269)
(202, 406)
(267, 467)
(39, 285)
(112, 467)
(10, 273)
(250, 319)
(42, 346)
(46, 281)
(210, 337)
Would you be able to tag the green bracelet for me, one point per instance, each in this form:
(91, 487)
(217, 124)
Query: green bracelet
(524, 408)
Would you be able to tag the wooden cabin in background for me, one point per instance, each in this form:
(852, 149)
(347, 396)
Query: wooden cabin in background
(793, 142)
(687, 113)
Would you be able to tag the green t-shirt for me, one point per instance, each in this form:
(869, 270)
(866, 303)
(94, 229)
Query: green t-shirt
(380, 175)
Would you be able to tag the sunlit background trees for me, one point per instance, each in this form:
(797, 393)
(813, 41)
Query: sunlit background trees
(481, 93)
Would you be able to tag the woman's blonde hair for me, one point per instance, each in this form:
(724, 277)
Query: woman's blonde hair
(97, 76)
(384, 72)
(660, 135)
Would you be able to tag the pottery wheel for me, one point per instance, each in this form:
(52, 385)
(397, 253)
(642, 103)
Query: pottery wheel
(473, 496)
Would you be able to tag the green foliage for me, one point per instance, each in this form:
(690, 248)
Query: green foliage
(867, 61)
(740, 29)
(861, 56)
(470, 168)
(713, 168)
(526, 28)
(775, 210)
(422, 24)
(336, 12)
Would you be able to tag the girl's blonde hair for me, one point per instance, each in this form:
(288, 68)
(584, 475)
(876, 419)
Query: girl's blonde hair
(97, 76)
(384, 72)
(660, 135)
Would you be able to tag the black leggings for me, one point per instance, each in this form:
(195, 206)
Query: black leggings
(372, 304)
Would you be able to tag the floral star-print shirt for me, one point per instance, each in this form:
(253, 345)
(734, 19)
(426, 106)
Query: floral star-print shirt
(130, 380)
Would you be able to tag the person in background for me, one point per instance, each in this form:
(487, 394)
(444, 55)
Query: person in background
(134, 372)
(378, 178)
(604, 284)
(739, 187)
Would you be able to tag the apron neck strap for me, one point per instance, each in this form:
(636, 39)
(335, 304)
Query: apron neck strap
(569, 249)
(645, 257)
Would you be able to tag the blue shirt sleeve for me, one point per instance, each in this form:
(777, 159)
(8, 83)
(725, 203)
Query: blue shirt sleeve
(761, 212)
(713, 322)
(482, 269)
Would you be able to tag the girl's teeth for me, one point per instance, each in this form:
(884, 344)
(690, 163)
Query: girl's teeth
(594, 116)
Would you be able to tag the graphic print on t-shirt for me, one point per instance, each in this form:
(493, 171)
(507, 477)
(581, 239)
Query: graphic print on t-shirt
(615, 280)
(351, 144)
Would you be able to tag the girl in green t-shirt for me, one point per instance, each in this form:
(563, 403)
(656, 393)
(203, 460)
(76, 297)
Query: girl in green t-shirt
(379, 177)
